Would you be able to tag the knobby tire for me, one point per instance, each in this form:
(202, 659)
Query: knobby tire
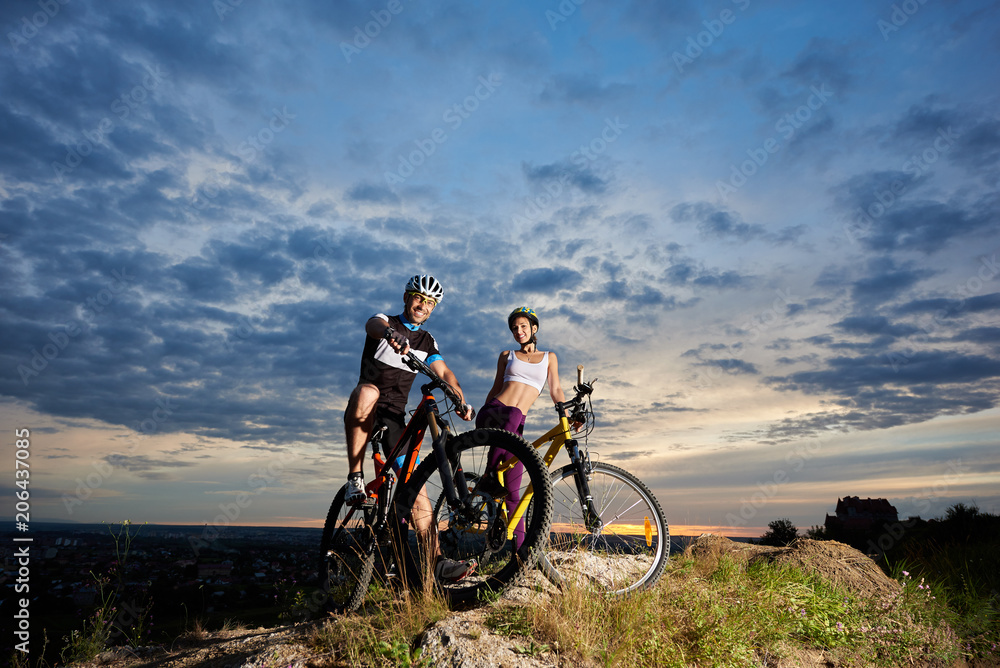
(458, 537)
(347, 555)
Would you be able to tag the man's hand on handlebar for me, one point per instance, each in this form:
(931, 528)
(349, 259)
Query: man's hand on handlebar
(397, 341)
(462, 409)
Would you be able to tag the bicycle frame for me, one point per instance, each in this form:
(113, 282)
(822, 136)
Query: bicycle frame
(602, 514)
(561, 437)
(414, 432)
(425, 416)
(383, 484)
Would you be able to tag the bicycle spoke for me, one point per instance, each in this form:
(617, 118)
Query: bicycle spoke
(346, 555)
(479, 529)
(619, 515)
(617, 557)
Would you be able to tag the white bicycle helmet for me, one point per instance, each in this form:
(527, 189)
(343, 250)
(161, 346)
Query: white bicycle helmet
(426, 285)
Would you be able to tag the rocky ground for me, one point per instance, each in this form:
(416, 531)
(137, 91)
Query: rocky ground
(462, 640)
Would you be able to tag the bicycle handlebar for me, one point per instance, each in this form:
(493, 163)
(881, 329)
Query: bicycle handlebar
(418, 365)
(582, 389)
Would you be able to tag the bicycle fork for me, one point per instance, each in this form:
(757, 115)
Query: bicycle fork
(591, 517)
(439, 437)
(456, 490)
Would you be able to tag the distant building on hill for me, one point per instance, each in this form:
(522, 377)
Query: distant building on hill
(856, 515)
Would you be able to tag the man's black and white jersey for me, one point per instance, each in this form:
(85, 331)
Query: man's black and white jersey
(383, 367)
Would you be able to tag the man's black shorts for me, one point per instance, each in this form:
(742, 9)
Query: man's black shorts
(395, 424)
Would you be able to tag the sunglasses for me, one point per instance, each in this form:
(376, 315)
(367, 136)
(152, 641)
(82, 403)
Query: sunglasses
(423, 298)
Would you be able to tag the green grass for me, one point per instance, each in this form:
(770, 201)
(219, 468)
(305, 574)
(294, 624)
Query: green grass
(955, 561)
(732, 615)
(712, 613)
(382, 632)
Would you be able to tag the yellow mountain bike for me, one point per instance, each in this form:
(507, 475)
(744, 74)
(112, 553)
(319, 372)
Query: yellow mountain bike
(607, 528)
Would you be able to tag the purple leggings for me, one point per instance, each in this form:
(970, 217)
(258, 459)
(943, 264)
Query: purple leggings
(509, 418)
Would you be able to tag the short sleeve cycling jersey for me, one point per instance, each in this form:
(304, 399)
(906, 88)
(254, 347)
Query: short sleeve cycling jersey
(384, 368)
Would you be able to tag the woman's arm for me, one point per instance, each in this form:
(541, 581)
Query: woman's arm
(555, 389)
(498, 381)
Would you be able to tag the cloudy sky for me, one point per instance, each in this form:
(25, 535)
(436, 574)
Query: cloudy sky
(770, 230)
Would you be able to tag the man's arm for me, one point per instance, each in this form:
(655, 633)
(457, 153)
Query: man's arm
(375, 328)
(440, 368)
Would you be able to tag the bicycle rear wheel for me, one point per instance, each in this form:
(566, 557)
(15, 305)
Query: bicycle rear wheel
(479, 531)
(625, 551)
(347, 554)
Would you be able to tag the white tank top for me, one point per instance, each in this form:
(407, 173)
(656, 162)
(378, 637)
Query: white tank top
(534, 375)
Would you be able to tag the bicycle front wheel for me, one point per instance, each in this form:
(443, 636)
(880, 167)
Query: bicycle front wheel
(347, 554)
(484, 530)
(621, 550)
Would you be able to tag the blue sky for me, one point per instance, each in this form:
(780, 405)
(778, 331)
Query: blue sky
(769, 229)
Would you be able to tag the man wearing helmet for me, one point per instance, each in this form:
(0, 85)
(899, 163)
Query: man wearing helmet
(385, 381)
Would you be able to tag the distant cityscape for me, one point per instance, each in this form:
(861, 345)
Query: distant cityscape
(172, 575)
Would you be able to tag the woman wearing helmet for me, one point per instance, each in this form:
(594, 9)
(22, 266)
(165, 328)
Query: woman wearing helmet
(521, 376)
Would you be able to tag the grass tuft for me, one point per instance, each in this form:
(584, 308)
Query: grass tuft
(382, 634)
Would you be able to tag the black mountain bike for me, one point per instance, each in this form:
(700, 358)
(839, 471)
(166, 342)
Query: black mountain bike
(397, 527)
